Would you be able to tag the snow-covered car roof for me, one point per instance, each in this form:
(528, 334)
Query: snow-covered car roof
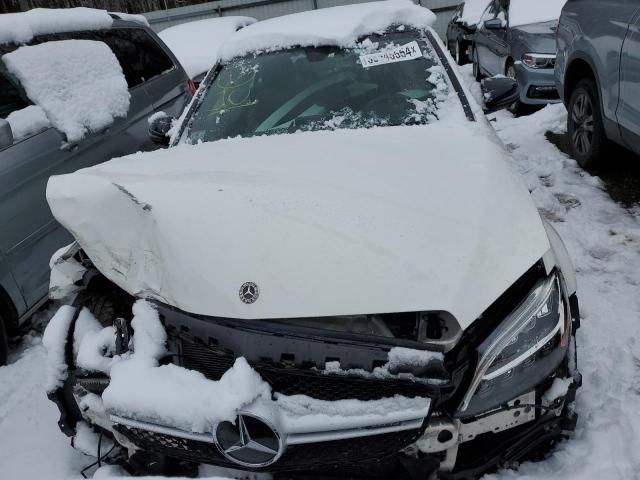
(339, 26)
(526, 12)
(23, 26)
(195, 44)
(472, 11)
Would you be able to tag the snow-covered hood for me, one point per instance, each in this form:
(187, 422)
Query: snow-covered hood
(325, 223)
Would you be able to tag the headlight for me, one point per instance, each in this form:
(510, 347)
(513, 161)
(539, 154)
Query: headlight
(522, 351)
(539, 60)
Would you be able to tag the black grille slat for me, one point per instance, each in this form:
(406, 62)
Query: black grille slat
(297, 457)
(295, 381)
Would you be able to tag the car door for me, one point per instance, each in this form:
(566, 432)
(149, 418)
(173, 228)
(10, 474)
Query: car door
(497, 45)
(486, 39)
(628, 111)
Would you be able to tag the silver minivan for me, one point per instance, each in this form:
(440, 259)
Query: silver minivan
(28, 233)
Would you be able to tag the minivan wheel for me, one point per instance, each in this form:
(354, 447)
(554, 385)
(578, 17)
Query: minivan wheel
(4, 342)
(584, 124)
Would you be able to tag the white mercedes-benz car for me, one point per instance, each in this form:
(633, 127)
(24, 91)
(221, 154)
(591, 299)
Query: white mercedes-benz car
(332, 271)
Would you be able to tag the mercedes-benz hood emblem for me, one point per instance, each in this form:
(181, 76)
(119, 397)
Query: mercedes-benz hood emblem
(249, 292)
(250, 441)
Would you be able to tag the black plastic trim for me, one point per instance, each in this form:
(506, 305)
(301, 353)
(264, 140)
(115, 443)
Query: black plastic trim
(457, 86)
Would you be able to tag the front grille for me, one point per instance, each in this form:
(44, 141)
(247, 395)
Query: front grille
(310, 456)
(214, 362)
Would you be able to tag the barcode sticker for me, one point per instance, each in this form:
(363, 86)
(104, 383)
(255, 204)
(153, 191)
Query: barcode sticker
(399, 54)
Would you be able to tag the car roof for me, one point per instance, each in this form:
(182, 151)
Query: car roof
(336, 26)
(20, 28)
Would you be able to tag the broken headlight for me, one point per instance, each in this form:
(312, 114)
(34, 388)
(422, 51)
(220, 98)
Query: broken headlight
(524, 350)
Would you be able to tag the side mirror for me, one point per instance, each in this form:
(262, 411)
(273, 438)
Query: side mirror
(6, 134)
(494, 24)
(159, 129)
(499, 93)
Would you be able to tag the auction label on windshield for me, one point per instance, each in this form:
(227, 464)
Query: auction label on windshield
(398, 54)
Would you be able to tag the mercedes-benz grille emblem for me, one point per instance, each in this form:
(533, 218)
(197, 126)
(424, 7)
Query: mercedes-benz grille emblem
(250, 441)
(249, 292)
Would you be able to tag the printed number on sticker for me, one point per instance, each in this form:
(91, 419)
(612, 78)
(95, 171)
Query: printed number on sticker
(399, 54)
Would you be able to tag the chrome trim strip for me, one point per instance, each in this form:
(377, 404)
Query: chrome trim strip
(317, 437)
(293, 439)
(171, 431)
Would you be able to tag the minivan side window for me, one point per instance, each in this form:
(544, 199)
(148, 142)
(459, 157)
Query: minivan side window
(140, 57)
(12, 97)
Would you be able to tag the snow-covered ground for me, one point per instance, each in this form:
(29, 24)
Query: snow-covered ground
(604, 240)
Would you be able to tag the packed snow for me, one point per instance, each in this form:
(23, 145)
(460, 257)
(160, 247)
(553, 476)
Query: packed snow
(54, 340)
(66, 271)
(142, 389)
(196, 44)
(525, 12)
(341, 26)
(473, 10)
(78, 83)
(22, 27)
(141, 19)
(27, 121)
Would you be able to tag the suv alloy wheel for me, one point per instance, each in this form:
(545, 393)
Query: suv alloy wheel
(585, 127)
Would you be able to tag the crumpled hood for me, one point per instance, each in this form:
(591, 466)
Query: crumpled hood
(325, 223)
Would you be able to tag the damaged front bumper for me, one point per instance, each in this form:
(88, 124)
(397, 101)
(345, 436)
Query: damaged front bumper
(361, 421)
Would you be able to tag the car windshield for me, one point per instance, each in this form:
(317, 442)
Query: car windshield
(394, 79)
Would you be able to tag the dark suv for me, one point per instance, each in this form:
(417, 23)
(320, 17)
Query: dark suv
(30, 235)
(597, 76)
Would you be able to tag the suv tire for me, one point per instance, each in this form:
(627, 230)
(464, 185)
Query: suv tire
(587, 138)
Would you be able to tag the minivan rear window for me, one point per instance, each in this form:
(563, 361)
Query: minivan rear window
(139, 54)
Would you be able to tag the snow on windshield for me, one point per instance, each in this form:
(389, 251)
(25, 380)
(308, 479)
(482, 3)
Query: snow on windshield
(525, 12)
(473, 10)
(196, 43)
(22, 27)
(387, 80)
(78, 83)
(337, 26)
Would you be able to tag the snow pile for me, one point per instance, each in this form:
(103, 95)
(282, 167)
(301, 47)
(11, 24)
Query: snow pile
(341, 26)
(525, 12)
(55, 341)
(141, 19)
(401, 358)
(95, 345)
(78, 83)
(65, 272)
(473, 10)
(299, 412)
(27, 121)
(195, 44)
(22, 27)
(142, 390)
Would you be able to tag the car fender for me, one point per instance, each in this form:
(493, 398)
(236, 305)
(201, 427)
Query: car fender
(561, 258)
